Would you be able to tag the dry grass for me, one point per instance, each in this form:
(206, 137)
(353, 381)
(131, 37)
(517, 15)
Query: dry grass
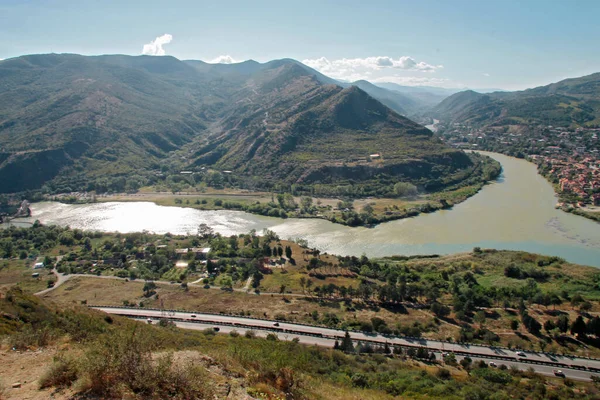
(18, 273)
(297, 309)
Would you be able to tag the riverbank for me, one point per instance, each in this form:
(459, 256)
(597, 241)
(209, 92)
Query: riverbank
(268, 277)
(367, 212)
(566, 202)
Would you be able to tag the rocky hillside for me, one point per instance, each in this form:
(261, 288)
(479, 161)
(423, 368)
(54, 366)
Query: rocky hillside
(116, 122)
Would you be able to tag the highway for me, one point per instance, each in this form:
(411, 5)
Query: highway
(574, 367)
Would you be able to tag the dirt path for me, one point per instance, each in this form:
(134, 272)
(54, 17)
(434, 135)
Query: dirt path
(26, 368)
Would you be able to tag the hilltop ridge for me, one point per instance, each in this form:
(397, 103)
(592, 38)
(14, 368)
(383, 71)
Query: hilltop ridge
(115, 123)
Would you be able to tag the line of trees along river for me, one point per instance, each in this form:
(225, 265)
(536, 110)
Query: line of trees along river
(515, 212)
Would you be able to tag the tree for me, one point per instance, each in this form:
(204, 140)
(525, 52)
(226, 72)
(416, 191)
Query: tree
(480, 318)
(368, 209)
(280, 251)
(405, 189)
(302, 283)
(593, 326)
(549, 325)
(531, 324)
(347, 344)
(288, 252)
(306, 204)
(466, 362)
(149, 289)
(514, 324)
(450, 359)
(205, 231)
(578, 327)
(562, 323)
(440, 310)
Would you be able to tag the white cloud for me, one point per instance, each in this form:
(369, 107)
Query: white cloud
(485, 74)
(415, 81)
(380, 69)
(344, 67)
(155, 47)
(225, 59)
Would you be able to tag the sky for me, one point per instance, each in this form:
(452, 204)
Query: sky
(502, 44)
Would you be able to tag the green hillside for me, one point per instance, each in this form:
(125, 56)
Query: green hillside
(115, 123)
(571, 102)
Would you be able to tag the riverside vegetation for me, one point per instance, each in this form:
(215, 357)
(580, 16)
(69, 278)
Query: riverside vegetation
(514, 299)
(380, 201)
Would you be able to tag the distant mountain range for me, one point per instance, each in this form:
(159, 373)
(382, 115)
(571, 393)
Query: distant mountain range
(77, 122)
(571, 102)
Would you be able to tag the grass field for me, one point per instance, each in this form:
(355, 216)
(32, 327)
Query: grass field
(18, 272)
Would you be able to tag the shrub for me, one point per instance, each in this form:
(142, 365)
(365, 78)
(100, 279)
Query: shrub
(443, 373)
(62, 373)
(29, 337)
(122, 362)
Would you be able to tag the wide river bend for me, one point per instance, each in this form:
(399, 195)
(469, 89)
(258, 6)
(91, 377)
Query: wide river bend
(515, 212)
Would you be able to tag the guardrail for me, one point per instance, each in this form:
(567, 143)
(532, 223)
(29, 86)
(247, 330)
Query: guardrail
(378, 342)
(409, 338)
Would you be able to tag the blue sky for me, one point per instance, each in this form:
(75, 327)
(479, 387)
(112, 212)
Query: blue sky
(478, 44)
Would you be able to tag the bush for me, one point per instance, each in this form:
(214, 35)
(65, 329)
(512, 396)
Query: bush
(443, 373)
(493, 375)
(250, 334)
(29, 337)
(62, 373)
(122, 362)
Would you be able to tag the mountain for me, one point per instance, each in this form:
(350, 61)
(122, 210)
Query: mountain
(303, 132)
(571, 102)
(394, 100)
(425, 97)
(115, 122)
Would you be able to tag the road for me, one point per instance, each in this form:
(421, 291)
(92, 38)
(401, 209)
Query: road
(62, 278)
(542, 363)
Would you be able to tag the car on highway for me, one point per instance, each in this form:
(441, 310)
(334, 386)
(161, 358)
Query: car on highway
(193, 316)
(559, 372)
(521, 354)
(276, 324)
(493, 364)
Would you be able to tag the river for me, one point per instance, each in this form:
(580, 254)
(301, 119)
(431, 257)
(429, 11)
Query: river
(515, 212)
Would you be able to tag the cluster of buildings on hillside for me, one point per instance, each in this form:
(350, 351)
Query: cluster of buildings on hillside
(569, 157)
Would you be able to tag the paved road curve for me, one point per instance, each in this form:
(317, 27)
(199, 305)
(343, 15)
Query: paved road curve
(573, 367)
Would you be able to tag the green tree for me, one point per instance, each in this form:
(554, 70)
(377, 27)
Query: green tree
(405, 189)
(562, 323)
(578, 327)
(347, 344)
(149, 289)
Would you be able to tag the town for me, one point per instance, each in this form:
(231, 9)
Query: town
(568, 157)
